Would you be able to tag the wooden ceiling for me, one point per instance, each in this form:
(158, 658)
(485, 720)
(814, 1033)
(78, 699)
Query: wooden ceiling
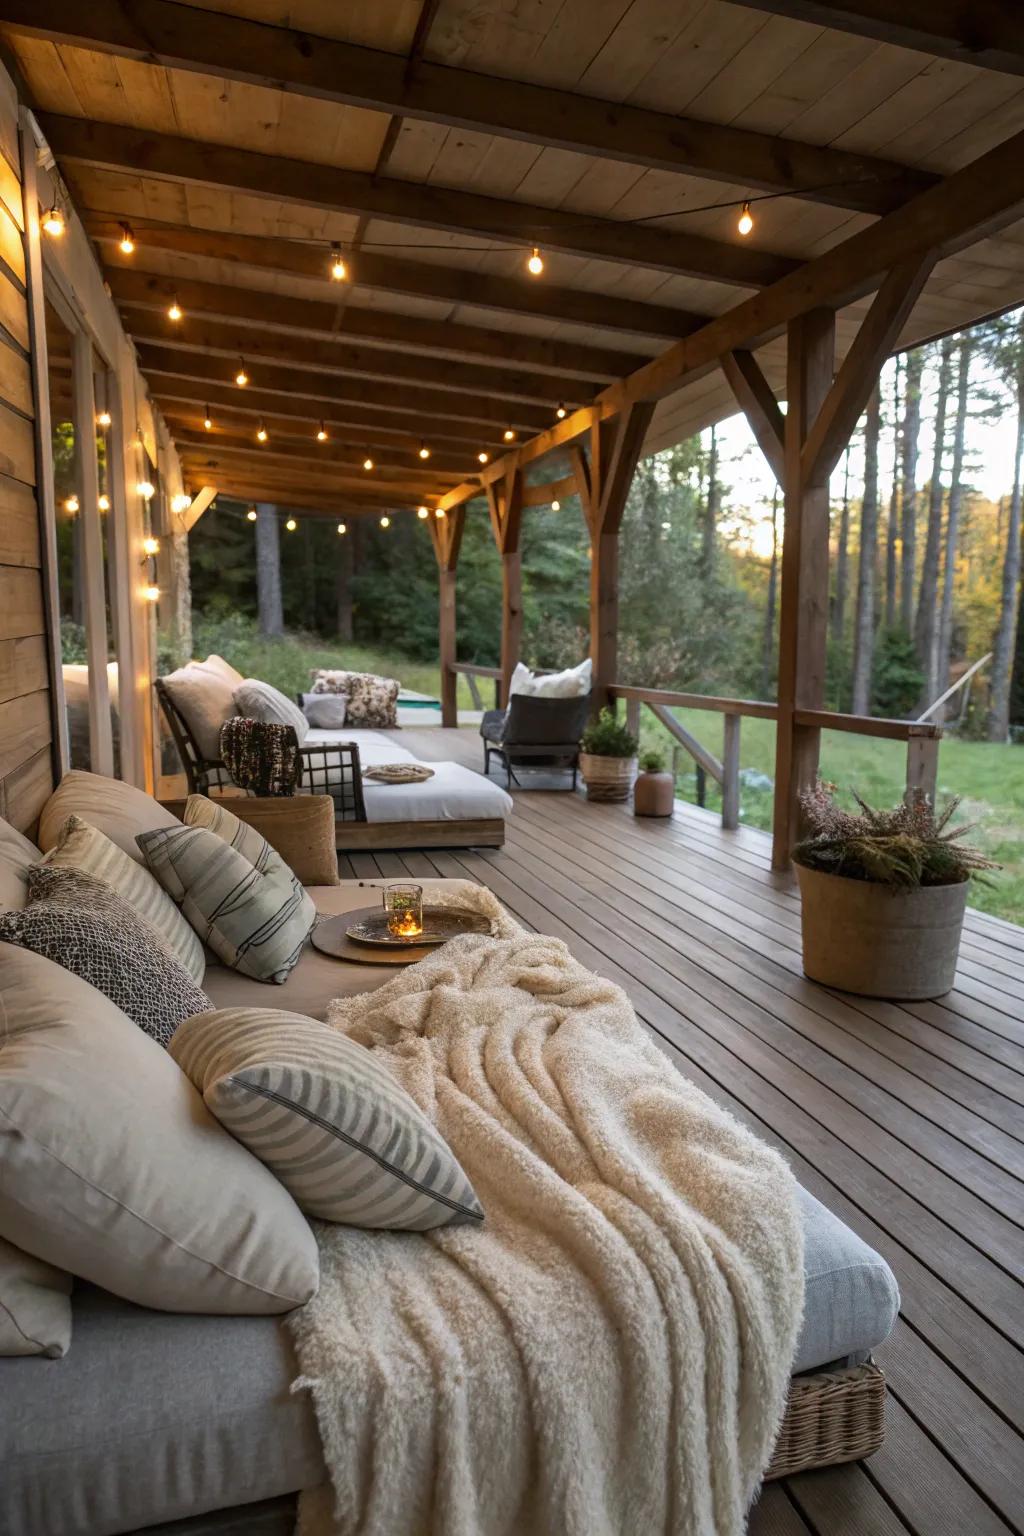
(439, 140)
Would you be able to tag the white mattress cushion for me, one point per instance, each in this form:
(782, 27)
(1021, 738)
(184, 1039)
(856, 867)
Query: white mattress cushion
(453, 794)
(373, 746)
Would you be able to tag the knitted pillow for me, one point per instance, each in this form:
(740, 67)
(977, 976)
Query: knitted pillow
(83, 925)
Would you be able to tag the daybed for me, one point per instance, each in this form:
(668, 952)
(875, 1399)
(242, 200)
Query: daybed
(186, 1424)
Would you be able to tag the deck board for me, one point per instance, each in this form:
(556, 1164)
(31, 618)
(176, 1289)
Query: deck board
(905, 1120)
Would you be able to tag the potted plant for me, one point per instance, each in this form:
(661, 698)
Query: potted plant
(654, 792)
(608, 758)
(883, 896)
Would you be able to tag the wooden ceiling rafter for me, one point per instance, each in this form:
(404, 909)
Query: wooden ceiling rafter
(288, 450)
(222, 468)
(239, 49)
(285, 435)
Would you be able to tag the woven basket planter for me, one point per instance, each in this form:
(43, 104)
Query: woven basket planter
(832, 1416)
(607, 778)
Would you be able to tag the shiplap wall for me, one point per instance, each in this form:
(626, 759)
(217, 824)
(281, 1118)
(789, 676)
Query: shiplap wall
(26, 761)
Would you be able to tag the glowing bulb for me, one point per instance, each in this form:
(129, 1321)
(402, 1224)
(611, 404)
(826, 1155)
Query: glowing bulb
(535, 265)
(422, 512)
(151, 546)
(71, 504)
(483, 456)
(321, 433)
(103, 419)
(560, 413)
(342, 528)
(207, 419)
(556, 505)
(746, 221)
(509, 435)
(367, 463)
(667, 527)
(339, 271)
(251, 514)
(53, 223)
(291, 525)
(146, 489)
(261, 433)
(424, 451)
(385, 522)
(151, 594)
(127, 241)
(241, 377)
(104, 503)
(181, 502)
(175, 312)
(439, 512)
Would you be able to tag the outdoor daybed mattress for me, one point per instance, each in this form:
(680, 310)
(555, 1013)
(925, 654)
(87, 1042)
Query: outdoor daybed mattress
(453, 794)
(153, 1416)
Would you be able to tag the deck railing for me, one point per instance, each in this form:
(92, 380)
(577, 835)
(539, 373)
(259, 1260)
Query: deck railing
(471, 672)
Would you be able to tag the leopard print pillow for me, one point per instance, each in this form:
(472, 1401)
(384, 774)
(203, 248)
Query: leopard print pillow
(372, 700)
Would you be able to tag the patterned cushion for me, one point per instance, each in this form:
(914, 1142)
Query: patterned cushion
(86, 927)
(348, 1143)
(327, 711)
(372, 700)
(238, 894)
(80, 846)
(260, 701)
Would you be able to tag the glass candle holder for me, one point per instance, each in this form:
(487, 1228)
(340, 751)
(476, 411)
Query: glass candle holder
(403, 903)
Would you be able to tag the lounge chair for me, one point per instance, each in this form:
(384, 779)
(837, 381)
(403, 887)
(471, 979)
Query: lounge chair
(537, 732)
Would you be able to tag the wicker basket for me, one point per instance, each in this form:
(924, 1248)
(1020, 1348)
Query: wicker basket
(831, 1417)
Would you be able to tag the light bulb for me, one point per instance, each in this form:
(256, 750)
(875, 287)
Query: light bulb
(667, 527)
(367, 463)
(424, 451)
(422, 512)
(251, 514)
(339, 271)
(104, 503)
(439, 512)
(483, 456)
(181, 502)
(261, 433)
(241, 377)
(151, 546)
(146, 489)
(556, 505)
(53, 222)
(509, 435)
(127, 241)
(103, 419)
(151, 594)
(291, 525)
(535, 265)
(560, 413)
(175, 312)
(746, 220)
(385, 522)
(71, 504)
(342, 528)
(321, 433)
(207, 419)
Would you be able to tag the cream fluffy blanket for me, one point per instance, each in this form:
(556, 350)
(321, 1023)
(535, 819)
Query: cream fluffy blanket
(609, 1353)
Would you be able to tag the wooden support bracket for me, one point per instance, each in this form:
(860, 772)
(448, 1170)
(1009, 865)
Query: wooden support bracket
(756, 399)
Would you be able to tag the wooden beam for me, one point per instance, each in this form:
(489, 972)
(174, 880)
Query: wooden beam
(234, 487)
(84, 141)
(620, 464)
(505, 503)
(387, 274)
(198, 333)
(879, 331)
(279, 379)
(311, 454)
(282, 58)
(542, 495)
(199, 504)
(986, 33)
(446, 537)
(139, 289)
(613, 461)
(394, 493)
(756, 399)
(101, 745)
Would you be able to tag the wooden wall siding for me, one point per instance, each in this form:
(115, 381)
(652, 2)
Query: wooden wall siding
(26, 759)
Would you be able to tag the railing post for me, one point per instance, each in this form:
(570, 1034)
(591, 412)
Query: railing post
(922, 767)
(730, 772)
(633, 716)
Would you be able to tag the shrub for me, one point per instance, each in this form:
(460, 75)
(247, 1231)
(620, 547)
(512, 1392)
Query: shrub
(653, 761)
(898, 679)
(608, 736)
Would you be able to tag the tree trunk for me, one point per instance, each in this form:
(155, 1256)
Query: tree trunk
(710, 523)
(768, 641)
(956, 496)
(344, 587)
(892, 526)
(925, 628)
(911, 434)
(998, 726)
(268, 570)
(842, 559)
(864, 624)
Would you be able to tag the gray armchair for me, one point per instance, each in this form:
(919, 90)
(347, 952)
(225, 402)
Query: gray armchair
(537, 732)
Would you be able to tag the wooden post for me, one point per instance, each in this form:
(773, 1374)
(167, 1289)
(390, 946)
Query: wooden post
(731, 772)
(803, 606)
(922, 767)
(446, 537)
(505, 502)
(101, 747)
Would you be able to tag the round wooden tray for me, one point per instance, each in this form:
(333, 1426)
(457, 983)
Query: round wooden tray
(330, 937)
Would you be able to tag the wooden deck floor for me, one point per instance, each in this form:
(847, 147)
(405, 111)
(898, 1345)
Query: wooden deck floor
(907, 1121)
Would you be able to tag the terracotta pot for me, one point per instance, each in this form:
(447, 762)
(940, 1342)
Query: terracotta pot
(654, 794)
(864, 938)
(607, 778)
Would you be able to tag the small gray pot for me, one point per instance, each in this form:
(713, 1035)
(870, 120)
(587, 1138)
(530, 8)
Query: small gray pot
(862, 937)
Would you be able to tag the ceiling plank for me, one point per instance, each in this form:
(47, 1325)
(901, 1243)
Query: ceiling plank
(218, 468)
(389, 274)
(373, 327)
(185, 421)
(235, 48)
(326, 457)
(305, 503)
(196, 332)
(78, 140)
(987, 33)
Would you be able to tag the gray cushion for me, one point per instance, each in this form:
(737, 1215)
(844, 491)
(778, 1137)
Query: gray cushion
(851, 1298)
(262, 701)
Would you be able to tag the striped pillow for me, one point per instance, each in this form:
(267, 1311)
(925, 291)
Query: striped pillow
(80, 846)
(346, 1141)
(237, 893)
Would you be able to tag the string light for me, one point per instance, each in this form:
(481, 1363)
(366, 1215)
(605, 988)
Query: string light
(509, 435)
(321, 433)
(439, 513)
(175, 312)
(71, 504)
(241, 377)
(104, 503)
(151, 546)
(367, 463)
(103, 419)
(556, 505)
(251, 514)
(422, 512)
(424, 451)
(146, 489)
(291, 525)
(483, 456)
(746, 220)
(151, 594)
(339, 271)
(181, 502)
(261, 432)
(127, 240)
(342, 528)
(53, 222)
(207, 418)
(535, 265)
(385, 522)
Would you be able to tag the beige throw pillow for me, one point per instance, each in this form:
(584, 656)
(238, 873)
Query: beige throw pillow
(111, 1167)
(204, 697)
(17, 855)
(80, 846)
(118, 810)
(35, 1305)
(229, 673)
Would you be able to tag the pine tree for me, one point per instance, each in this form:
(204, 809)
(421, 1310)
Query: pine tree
(925, 624)
(1011, 359)
(268, 570)
(911, 434)
(768, 638)
(842, 558)
(892, 524)
(864, 623)
(956, 496)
